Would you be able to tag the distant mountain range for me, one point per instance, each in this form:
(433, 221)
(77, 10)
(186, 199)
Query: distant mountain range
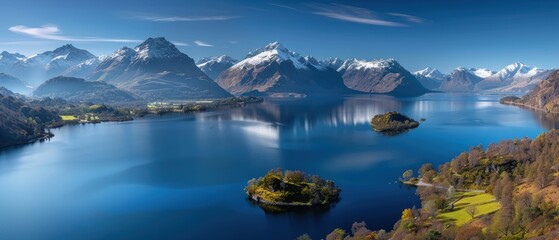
(213, 66)
(379, 76)
(14, 84)
(157, 70)
(516, 77)
(430, 78)
(278, 72)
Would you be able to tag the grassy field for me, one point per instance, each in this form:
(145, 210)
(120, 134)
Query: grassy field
(485, 203)
(68, 118)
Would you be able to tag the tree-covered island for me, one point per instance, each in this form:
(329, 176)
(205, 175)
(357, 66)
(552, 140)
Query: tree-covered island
(292, 188)
(392, 123)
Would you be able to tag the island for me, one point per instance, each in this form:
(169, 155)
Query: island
(511, 100)
(392, 123)
(291, 189)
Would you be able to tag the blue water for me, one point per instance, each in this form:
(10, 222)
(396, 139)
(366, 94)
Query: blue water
(182, 176)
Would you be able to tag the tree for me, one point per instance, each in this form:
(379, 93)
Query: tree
(407, 214)
(337, 234)
(429, 208)
(425, 168)
(469, 232)
(471, 210)
(304, 237)
(407, 175)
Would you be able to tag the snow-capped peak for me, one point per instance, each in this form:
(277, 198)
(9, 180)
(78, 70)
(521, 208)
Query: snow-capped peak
(10, 58)
(272, 52)
(479, 72)
(364, 64)
(309, 60)
(156, 48)
(213, 60)
(122, 52)
(517, 69)
(430, 73)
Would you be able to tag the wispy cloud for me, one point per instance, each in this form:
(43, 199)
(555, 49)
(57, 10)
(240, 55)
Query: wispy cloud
(284, 6)
(362, 15)
(54, 33)
(408, 17)
(181, 44)
(188, 19)
(202, 44)
(354, 14)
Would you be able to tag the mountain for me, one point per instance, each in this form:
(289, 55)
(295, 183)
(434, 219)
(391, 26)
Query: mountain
(516, 77)
(157, 70)
(14, 84)
(464, 80)
(7, 60)
(380, 76)
(334, 63)
(39, 67)
(276, 71)
(213, 66)
(85, 68)
(22, 123)
(545, 96)
(430, 78)
(77, 89)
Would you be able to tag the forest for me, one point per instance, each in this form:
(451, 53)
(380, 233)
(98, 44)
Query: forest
(505, 191)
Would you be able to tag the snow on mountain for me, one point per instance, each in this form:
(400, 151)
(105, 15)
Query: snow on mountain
(7, 59)
(516, 77)
(380, 76)
(276, 71)
(430, 73)
(39, 67)
(157, 70)
(463, 79)
(213, 66)
(273, 52)
(430, 78)
(333, 63)
(516, 70)
(479, 72)
(158, 48)
(85, 68)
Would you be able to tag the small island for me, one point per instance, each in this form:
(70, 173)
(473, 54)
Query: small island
(511, 100)
(292, 189)
(393, 123)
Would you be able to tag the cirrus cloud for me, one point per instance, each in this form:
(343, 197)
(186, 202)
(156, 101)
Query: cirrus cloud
(202, 44)
(51, 32)
(188, 19)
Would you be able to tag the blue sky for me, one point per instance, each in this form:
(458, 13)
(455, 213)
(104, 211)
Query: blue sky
(418, 33)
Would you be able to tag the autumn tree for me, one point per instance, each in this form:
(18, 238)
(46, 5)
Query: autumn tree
(407, 214)
(407, 175)
(471, 210)
(337, 234)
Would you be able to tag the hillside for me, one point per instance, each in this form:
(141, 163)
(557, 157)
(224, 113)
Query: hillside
(157, 70)
(21, 123)
(77, 89)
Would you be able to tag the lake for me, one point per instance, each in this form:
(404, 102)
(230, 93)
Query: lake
(182, 176)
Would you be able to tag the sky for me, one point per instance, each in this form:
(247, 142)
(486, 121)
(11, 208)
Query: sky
(443, 34)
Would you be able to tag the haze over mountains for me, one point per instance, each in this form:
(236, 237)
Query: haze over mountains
(157, 70)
